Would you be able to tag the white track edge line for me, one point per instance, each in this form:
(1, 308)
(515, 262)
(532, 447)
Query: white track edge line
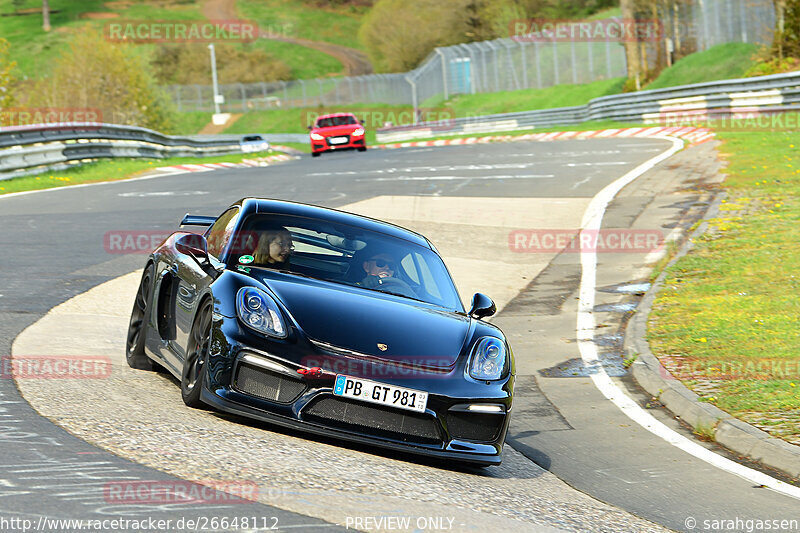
(586, 328)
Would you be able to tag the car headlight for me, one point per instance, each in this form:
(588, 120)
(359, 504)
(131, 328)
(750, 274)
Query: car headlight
(317, 137)
(259, 311)
(358, 132)
(488, 359)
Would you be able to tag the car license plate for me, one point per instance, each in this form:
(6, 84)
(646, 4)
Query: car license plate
(380, 393)
(337, 140)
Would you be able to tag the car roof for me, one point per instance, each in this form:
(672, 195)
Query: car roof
(268, 205)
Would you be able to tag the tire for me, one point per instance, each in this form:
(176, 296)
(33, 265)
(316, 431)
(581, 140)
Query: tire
(137, 327)
(362, 149)
(315, 154)
(194, 365)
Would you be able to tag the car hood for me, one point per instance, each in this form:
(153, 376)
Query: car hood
(356, 319)
(346, 129)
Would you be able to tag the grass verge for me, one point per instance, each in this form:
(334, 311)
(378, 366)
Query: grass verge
(721, 62)
(525, 100)
(295, 18)
(35, 50)
(727, 320)
(108, 170)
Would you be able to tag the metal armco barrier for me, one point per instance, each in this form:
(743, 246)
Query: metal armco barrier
(29, 149)
(764, 94)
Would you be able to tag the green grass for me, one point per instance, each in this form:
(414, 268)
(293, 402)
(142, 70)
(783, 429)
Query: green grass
(730, 309)
(189, 122)
(31, 47)
(297, 19)
(107, 170)
(606, 13)
(525, 100)
(35, 50)
(304, 62)
(721, 62)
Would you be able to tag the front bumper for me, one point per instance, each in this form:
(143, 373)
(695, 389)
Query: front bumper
(326, 146)
(286, 398)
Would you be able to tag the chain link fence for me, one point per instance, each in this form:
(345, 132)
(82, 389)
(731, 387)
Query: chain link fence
(506, 64)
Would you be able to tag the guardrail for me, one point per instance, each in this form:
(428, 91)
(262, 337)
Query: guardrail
(764, 94)
(29, 149)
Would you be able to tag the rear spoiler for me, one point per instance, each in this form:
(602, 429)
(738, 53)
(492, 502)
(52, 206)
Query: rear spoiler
(197, 220)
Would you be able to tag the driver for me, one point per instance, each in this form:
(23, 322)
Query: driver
(378, 267)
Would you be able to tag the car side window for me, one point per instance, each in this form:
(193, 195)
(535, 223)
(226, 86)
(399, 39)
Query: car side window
(219, 234)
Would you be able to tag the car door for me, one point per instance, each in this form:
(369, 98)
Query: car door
(192, 279)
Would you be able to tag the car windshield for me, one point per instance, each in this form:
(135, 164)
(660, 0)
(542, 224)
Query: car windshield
(335, 121)
(345, 254)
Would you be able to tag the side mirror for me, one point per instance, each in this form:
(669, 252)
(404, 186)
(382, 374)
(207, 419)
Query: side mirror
(482, 306)
(195, 246)
(310, 128)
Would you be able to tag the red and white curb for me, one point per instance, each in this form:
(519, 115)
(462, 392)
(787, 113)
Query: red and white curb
(693, 135)
(207, 167)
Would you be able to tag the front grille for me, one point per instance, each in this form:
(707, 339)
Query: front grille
(328, 140)
(373, 420)
(268, 385)
(474, 426)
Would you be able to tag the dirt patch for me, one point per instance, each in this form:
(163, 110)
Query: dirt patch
(97, 16)
(28, 11)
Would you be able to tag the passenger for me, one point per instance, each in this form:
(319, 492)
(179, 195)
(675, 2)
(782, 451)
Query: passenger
(274, 248)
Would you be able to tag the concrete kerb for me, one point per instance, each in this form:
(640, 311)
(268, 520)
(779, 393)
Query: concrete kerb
(736, 435)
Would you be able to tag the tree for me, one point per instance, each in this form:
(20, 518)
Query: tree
(109, 77)
(786, 40)
(632, 52)
(45, 15)
(399, 34)
(6, 76)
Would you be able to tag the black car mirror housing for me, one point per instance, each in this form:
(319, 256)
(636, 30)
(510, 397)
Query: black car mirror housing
(195, 246)
(482, 306)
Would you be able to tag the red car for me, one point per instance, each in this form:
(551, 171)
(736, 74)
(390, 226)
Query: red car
(337, 131)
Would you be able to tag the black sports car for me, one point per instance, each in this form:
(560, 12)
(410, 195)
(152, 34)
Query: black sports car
(329, 322)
